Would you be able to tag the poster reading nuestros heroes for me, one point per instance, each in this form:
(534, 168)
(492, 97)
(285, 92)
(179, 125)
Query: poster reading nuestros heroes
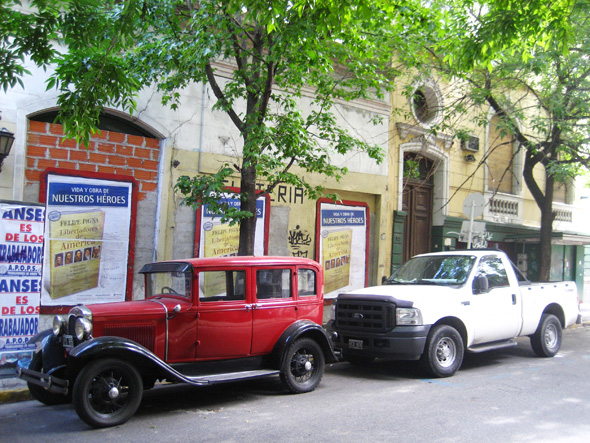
(87, 240)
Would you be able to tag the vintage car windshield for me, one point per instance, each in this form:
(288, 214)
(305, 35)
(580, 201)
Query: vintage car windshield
(168, 283)
(445, 270)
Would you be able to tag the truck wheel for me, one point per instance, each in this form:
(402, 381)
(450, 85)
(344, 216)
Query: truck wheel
(443, 353)
(303, 366)
(40, 393)
(546, 340)
(107, 392)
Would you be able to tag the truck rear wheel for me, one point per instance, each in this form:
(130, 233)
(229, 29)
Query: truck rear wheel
(443, 354)
(303, 366)
(107, 392)
(546, 340)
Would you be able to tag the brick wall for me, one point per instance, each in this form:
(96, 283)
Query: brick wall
(108, 153)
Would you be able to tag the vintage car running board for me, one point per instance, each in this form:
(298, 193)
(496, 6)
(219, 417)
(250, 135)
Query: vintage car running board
(493, 345)
(232, 376)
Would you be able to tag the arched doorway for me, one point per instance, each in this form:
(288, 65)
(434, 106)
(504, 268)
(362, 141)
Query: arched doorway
(417, 198)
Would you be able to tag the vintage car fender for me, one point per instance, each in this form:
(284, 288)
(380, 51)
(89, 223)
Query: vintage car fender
(300, 329)
(142, 358)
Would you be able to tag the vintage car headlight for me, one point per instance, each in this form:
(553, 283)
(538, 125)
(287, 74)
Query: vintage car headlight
(408, 316)
(59, 325)
(82, 328)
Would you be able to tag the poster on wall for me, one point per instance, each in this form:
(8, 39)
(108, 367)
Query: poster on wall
(21, 258)
(342, 246)
(87, 240)
(216, 239)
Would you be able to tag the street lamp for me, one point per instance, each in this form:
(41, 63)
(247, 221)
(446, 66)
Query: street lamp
(6, 141)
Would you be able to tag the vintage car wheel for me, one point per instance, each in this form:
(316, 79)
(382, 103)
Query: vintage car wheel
(303, 366)
(107, 392)
(546, 340)
(39, 392)
(443, 353)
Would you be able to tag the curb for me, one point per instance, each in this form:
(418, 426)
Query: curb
(14, 396)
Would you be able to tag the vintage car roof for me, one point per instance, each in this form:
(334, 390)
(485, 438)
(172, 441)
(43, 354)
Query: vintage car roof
(235, 261)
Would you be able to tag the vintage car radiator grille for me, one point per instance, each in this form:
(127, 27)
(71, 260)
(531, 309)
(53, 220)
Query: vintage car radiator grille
(368, 316)
(142, 333)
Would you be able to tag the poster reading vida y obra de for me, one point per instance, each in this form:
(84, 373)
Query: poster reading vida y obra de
(21, 257)
(87, 240)
(343, 247)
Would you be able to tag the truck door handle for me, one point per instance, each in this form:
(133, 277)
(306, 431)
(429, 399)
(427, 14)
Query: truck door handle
(513, 299)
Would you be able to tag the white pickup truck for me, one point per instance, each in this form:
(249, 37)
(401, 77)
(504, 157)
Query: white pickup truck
(439, 305)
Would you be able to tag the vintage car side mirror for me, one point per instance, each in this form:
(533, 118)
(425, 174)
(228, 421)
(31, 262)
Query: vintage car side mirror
(175, 311)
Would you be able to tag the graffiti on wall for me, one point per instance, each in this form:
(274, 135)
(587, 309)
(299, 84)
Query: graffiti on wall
(299, 242)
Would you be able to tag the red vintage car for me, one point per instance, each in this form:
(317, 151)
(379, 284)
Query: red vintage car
(203, 321)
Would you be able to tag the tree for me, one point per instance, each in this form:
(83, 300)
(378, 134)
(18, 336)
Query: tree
(533, 72)
(343, 50)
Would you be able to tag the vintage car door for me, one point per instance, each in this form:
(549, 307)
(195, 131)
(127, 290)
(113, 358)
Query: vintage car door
(275, 308)
(225, 314)
(496, 313)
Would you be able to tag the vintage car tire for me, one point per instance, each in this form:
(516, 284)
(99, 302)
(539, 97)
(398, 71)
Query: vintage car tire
(443, 353)
(303, 366)
(107, 392)
(40, 393)
(546, 340)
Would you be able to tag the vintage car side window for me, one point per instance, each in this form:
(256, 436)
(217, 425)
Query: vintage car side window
(273, 283)
(306, 283)
(494, 270)
(168, 283)
(222, 286)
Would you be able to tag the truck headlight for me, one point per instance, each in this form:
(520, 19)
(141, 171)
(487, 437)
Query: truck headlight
(59, 325)
(83, 328)
(408, 316)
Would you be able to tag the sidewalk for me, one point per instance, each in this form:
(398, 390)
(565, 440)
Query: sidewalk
(14, 389)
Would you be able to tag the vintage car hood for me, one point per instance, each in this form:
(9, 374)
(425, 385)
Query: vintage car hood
(135, 307)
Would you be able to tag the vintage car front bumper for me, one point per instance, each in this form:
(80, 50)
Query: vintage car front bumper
(49, 382)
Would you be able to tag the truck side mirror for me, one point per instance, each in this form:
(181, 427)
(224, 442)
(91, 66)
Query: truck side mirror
(480, 284)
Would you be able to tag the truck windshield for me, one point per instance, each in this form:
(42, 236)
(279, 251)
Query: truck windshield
(168, 283)
(443, 270)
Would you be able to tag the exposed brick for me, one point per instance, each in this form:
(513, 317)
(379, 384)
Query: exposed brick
(133, 162)
(101, 135)
(80, 155)
(116, 137)
(106, 147)
(59, 154)
(48, 140)
(56, 129)
(144, 175)
(36, 151)
(153, 143)
(155, 154)
(149, 164)
(31, 163)
(106, 169)
(32, 175)
(43, 163)
(97, 158)
(143, 153)
(141, 196)
(148, 186)
(39, 127)
(67, 165)
(116, 160)
(68, 143)
(87, 167)
(135, 140)
(124, 150)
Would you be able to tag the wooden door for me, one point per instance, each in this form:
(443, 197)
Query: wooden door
(417, 203)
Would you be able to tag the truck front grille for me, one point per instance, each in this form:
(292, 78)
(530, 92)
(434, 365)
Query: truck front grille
(368, 316)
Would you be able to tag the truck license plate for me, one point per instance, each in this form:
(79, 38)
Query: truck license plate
(355, 344)
(68, 341)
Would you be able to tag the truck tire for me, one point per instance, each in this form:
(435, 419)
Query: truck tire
(443, 353)
(546, 340)
(107, 392)
(303, 366)
(40, 393)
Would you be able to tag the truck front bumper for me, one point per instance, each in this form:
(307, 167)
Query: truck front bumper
(402, 343)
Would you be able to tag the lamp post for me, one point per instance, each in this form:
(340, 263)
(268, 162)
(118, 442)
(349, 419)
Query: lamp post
(6, 141)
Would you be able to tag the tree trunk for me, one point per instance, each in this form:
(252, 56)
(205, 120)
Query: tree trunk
(547, 217)
(248, 203)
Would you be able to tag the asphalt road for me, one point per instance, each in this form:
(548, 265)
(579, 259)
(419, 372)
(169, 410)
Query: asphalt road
(501, 396)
